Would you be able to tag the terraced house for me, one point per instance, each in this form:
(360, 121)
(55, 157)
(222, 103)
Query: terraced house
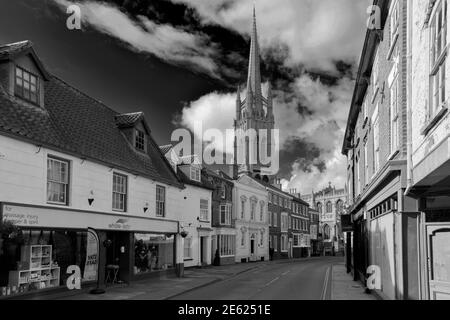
(69, 163)
(377, 147)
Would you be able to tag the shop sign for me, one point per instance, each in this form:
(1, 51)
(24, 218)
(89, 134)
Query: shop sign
(92, 255)
(24, 216)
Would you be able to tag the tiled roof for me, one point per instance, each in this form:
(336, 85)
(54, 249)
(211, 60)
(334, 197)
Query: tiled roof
(75, 123)
(7, 50)
(127, 120)
(165, 149)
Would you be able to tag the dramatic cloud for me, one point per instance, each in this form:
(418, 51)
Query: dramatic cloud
(317, 33)
(175, 46)
(311, 116)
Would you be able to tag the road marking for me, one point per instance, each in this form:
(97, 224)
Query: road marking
(283, 274)
(269, 283)
(325, 284)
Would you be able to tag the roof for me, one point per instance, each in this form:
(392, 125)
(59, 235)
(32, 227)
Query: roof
(218, 174)
(11, 50)
(364, 72)
(166, 149)
(203, 184)
(77, 124)
(127, 120)
(273, 188)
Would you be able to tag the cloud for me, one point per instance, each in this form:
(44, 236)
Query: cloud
(175, 46)
(317, 33)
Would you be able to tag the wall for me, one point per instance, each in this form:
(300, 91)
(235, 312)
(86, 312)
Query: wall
(190, 199)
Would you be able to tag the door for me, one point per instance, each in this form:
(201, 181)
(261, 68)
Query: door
(439, 262)
(252, 247)
(202, 250)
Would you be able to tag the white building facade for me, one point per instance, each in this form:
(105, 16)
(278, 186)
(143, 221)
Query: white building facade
(251, 220)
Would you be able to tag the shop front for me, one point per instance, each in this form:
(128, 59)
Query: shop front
(49, 246)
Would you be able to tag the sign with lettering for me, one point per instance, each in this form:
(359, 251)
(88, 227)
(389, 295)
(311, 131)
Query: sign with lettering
(91, 264)
(27, 216)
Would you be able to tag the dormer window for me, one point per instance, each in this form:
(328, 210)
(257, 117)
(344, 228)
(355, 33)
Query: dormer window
(27, 86)
(140, 140)
(195, 174)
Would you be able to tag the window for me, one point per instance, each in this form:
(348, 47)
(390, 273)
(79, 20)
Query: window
(358, 177)
(253, 210)
(296, 240)
(225, 214)
(438, 41)
(243, 238)
(366, 164)
(284, 242)
(375, 74)
(195, 174)
(275, 219)
(187, 248)
(140, 140)
(223, 191)
(160, 201)
(284, 222)
(261, 211)
(394, 91)
(204, 210)
(156, 252)
(227, 245)
(57, 181)
(261, 238)
(376, 141)
(275, 243)
(329, 207)
(270, 218)
(319, 207)
(119, 201)
(394, 19)
(27, 86)
(242, 209)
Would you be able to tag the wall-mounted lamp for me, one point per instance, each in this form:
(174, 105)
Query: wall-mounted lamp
(91, 198)
(146, 207)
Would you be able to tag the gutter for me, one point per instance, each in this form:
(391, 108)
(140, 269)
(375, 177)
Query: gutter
(410, 166)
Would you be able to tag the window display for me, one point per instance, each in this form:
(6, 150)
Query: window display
(153, 252)
(39, 259)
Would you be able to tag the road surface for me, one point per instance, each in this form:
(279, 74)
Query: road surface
(308, 279)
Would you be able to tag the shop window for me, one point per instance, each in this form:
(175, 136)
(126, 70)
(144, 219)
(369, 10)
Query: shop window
(41, 258)
(153, 252)
(119, 192)
(275, 243)
(57, 181)
(284, 242)
(227, 245)
(160, 201)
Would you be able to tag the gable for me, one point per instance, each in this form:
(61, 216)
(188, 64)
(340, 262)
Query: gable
(245, 180)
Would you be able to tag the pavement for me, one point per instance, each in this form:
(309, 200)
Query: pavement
(345, 288)
(322, 278)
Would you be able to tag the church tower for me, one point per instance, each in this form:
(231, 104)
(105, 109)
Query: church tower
(253, 112)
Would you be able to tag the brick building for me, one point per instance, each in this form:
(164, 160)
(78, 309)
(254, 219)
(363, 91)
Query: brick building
(375, 144)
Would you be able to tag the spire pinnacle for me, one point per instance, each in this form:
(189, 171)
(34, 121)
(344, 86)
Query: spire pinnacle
(254, 72)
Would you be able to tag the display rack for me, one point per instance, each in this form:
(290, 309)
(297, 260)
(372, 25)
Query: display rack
(38, 268)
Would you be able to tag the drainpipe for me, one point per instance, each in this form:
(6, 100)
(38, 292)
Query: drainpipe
(409, 170)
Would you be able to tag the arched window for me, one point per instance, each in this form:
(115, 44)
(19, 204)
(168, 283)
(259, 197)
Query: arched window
(326, 232)
(319, 207)
(339, 206)
(329, 207)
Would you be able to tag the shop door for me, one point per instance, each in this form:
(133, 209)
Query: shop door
(439, 262)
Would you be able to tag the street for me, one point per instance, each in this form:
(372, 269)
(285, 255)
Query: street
(285, 280)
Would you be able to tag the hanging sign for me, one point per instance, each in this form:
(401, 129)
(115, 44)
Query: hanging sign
(92, 255)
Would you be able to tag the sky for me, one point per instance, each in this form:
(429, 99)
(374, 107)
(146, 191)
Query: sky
(181, 61)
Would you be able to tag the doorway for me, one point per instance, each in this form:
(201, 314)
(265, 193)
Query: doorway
(252, 245)
(202, 251)
(118, 257)
(438, 239)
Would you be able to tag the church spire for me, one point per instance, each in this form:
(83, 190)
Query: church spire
(254, 72)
